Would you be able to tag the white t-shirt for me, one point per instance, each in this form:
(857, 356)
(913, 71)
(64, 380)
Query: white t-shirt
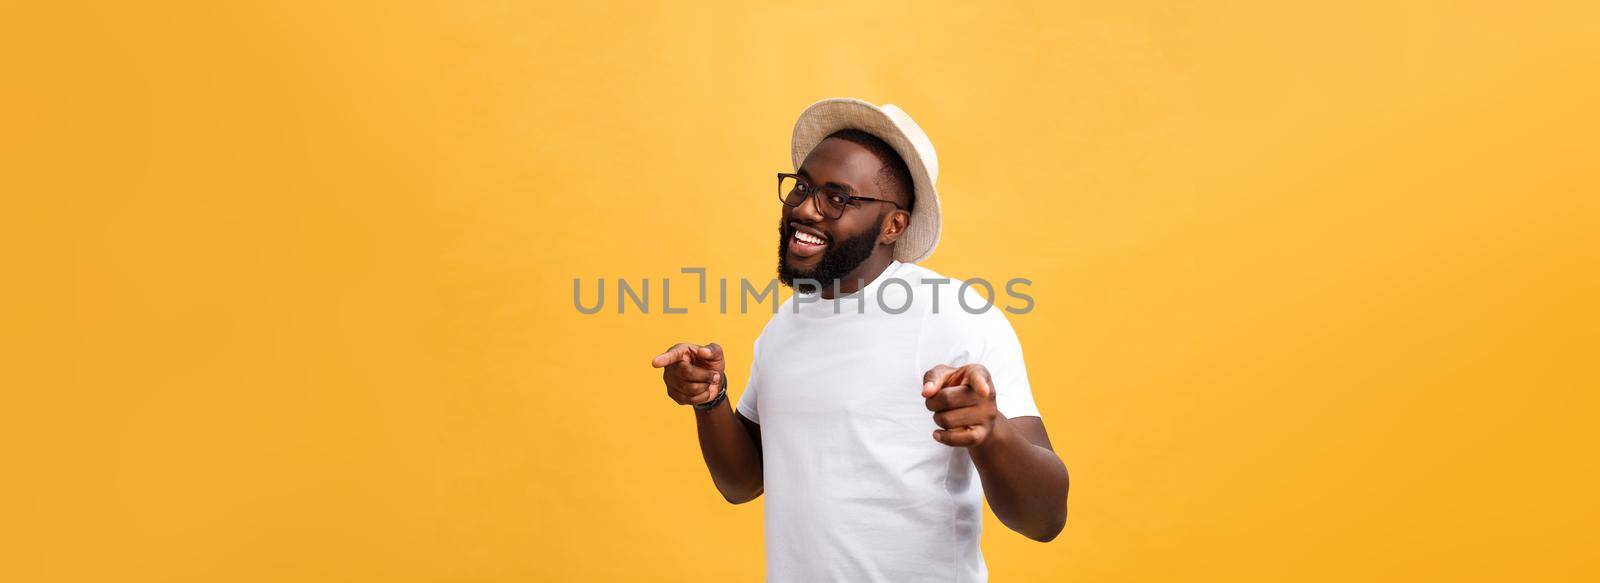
(856, 488)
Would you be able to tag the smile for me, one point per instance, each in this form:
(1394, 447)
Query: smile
(804, 244)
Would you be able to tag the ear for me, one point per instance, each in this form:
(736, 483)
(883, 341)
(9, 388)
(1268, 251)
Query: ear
(894, 227)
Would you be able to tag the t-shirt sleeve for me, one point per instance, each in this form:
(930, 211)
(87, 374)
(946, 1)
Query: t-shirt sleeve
(1002, 355)
(748, 399)
(956, 338)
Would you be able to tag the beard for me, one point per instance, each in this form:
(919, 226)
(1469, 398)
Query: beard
(841, 258)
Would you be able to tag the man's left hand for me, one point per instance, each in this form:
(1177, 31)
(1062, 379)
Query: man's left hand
(962, 401)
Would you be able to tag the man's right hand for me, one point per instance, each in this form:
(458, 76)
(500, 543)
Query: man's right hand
(693, 374)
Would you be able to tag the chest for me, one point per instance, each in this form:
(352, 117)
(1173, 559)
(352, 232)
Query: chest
(860, 370)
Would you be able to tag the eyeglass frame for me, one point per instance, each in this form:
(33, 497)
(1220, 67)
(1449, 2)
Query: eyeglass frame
(783, 197)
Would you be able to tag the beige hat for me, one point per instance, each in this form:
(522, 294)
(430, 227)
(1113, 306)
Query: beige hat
(894, 127)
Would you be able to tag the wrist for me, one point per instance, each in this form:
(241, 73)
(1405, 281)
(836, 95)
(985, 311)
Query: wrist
(1000, 434)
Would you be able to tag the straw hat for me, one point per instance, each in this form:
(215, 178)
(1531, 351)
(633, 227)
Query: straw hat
(890, 124)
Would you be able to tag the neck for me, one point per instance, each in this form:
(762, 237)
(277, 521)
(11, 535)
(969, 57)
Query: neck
(860, 276)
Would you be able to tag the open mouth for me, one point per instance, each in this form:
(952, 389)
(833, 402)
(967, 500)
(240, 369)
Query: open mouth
(804, 243)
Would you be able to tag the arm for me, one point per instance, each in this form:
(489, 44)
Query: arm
(1024, 480)
(730, 444)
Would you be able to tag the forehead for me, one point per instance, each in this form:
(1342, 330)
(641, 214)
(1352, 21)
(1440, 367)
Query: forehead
(843, 162)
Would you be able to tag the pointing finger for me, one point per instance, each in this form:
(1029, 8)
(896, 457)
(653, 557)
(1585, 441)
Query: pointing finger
(674, 354)
(978, 376)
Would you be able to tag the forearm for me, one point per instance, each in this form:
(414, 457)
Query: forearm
(1026, 485)
(730, 453)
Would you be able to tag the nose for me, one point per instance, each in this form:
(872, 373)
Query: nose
(808, 211)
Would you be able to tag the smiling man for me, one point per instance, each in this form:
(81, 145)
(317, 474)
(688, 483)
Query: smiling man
(879, 412)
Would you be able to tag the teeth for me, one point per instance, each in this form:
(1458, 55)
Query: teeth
(807, 238)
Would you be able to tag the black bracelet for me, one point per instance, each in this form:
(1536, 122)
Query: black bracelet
(721, 396)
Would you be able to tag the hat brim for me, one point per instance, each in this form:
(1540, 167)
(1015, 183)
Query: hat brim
(825, 117)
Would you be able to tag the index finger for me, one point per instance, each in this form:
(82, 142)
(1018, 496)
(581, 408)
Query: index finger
(674, 354)
(978, 378)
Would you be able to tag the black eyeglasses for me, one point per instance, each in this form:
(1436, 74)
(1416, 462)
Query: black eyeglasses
(794, 189)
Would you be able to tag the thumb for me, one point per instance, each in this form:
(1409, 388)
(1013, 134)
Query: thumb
(711, 352)
(937, 378)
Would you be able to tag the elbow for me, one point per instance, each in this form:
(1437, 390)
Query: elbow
(741, 498)
(1056, 522)
(742, 495)
(1044, 527)
(1052, 526)
(1050, 530)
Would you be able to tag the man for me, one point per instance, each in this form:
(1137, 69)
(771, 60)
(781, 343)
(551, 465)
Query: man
(874, 397)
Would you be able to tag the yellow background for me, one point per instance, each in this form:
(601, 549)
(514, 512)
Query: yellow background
(288, 284)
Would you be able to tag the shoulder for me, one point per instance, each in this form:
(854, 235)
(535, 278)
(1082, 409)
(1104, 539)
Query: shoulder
(779, 324)
(949, 299)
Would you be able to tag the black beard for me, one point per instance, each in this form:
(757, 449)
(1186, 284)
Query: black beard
(841, 258)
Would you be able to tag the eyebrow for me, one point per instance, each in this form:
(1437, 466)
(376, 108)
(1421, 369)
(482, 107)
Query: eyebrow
(834, 185)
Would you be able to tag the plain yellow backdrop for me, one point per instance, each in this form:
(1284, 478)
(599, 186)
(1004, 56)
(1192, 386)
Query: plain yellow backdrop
(287, 285)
